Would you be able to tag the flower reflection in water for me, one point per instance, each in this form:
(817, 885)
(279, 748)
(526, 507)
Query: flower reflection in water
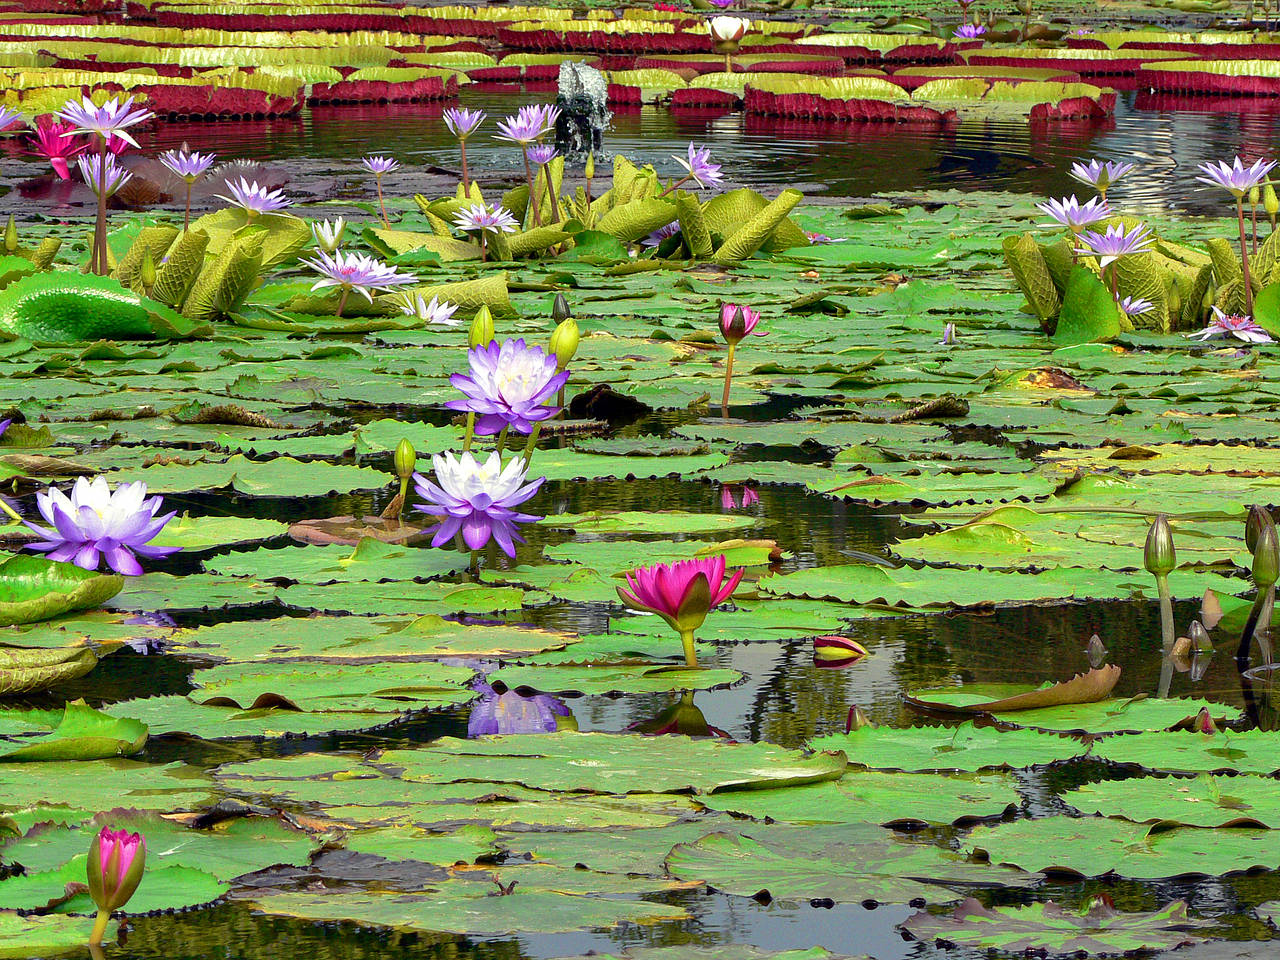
(510, 712)
(729, 500)
(682, 717)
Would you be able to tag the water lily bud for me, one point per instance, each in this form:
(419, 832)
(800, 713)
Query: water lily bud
(1096, 651)
(1270, 202)
(147, 272)
(116, 861)
(10, 236)
(1266, 559)
(834, 652)
(564, 342)
(1259, 517)
(1160, 557)
(482, 328)
(856, 719)
(1203, 723)
(1255, 195)
(560, 309)
(406, 459)
(591, 166)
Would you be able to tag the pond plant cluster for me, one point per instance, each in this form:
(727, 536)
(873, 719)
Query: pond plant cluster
(371, 568)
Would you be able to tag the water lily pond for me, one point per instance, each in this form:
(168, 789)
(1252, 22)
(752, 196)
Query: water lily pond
(715, 479)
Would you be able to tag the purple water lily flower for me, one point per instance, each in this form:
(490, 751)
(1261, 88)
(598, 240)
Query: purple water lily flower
(102, 174)
(1230, 325)
(1100, 175)
(510, 713)
(112, 119)
(528, 124)
(8, 116)
(969, 31)
(462, 122)
(380, 165)
(1115, 243)
(254, 199)
(479, 218)
(355, 271)
(1235, 177)
(1074, 215)
(188, 165)
(1134, 306)
(949, 337)
(542, 154)
(700, 167)
(97, 523)
(655, 238)
(5, 424)
(721, 4)
(817, 239)
(477, 499)
(507, 386)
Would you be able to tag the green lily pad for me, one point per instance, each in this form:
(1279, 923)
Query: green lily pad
(965, 747)
(371, 559)
(25, 670)
(333, 687)
(34, 588)
(93, 786)
(204, 533)
(79, 733)
(43, 936)
(1203, 801)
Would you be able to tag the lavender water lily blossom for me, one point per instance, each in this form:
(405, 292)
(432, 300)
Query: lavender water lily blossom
(1235, 177)
(1100, 174)
(462, 122)
(969, 31)
(510, 713)
(254, 199)
(542, 154)
(1115, 243)
(8, 116)
(355, 271)
(1231, 325)
(477, 499)
(1074, 215)
(112, 119)
(528, 124)
(508, 386)
(380, 165)
(103, 175)
(479, 218)
(187, 165)
(1134, 306)
(655, 238)
(700, 167)
(96, 523)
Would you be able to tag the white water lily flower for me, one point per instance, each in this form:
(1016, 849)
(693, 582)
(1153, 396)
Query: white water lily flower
(328, 234)
(727, 29)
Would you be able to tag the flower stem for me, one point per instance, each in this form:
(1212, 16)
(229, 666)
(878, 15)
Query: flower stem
(528, 175)
(404, 493)
(728, 379)
(1244, 259)
(186, 220)
(502, 440)
(1253, 213)
(471, 432)
(690, 657)
(466, 178)
(474, 567)
(98, 263)
(1166, 632)
(679, 183)
(382, 207)
(551, 193)
(484, 251)
(728, 63)
(342, 301)
(100, 926)
(532, 442)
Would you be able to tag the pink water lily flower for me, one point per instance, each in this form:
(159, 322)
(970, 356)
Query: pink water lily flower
(745, 325)
(114, 869)
(56, 142)
(681, 593)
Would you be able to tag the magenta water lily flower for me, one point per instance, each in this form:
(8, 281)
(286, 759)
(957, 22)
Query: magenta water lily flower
(103, 175)
(746, 325)
(1229, 325)
(1115, 243)
(508, 386)
(681, 593)
(113, 118)
(462, 122)
(355, 271)
(477, 499)
(56, 142)
(969, 31)
(1099, 174)
(1235, 177)
(380, 165)
(117, 859)
(1074, 215)
(96, 523)
(655, 238)
(254, 199)
(701, 168)
(188, 165)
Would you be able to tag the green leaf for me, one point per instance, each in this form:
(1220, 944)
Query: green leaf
(33, 588)
(1089, 313)
(81, 733)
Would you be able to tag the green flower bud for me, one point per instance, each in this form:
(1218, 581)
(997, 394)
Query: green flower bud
(1266, 559)
(1259, 518)
(1255, 195)
(1270, 202)
(856, 719)
(10, 236)
(1160, 557)
(564, 342)
(482, 328)
(591, 166)
(406, 459)
(560, 309)
(147, 272)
